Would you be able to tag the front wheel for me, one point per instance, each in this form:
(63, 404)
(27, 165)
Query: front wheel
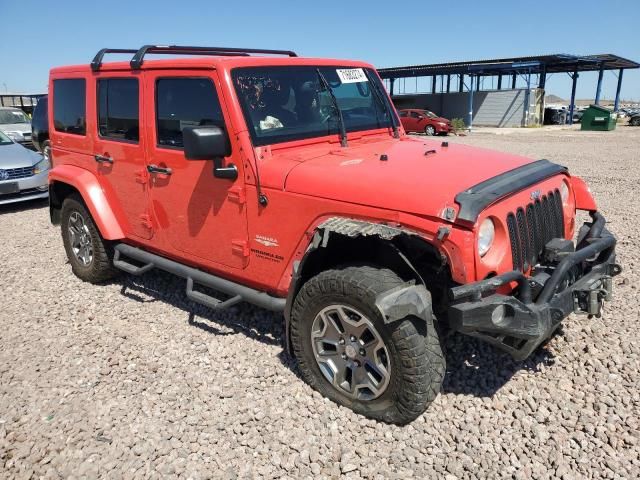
(429, 130)
(635, 121)
(345, 350)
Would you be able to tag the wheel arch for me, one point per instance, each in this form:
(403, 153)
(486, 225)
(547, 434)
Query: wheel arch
(340, 241)
(66, 180)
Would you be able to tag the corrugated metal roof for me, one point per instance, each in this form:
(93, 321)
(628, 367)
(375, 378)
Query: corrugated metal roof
(535, 64)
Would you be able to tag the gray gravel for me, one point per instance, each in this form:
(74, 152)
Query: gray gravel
(130, 380)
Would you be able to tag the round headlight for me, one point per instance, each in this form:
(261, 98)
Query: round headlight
(486, 234)
(564, 192)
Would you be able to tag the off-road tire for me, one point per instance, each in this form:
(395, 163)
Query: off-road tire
(430, 131)
(101, 267)
(416, 358)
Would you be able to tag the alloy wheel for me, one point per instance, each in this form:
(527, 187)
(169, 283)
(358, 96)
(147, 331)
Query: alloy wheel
(350, 352)
(80, 239)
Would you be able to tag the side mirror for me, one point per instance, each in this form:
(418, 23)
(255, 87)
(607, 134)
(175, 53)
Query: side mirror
(209, 143)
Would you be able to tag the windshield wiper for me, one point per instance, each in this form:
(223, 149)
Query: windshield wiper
(334, 100)
(381, 99)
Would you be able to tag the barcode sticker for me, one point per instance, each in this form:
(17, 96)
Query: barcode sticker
(351, 75)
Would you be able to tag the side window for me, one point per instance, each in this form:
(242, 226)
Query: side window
(118, 109)
(403, 113)
(69, 106)
(182, 102)
(415, 114)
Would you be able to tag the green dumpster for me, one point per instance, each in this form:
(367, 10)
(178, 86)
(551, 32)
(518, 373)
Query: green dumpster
(598, 118)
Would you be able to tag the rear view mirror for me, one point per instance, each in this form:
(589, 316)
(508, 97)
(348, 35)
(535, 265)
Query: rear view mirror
(209, 143)
(205, 143)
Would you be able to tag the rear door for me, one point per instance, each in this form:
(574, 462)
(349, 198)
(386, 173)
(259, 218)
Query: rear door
(120, 151)
(199, 214)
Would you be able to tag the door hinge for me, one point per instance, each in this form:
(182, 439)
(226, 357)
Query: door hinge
(237, 195)
(240, 247)
(145, 219)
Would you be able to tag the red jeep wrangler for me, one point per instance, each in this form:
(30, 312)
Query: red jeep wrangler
(290, 184)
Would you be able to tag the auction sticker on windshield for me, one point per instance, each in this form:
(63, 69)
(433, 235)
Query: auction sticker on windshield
(351, 75)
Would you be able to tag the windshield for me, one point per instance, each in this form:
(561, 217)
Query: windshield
(13, 116)
(4, 140)
(429, 114)
(281, 104)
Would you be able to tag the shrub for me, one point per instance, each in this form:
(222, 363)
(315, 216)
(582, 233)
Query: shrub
(458, 124)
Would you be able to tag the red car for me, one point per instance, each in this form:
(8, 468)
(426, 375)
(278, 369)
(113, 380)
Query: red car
(290, 184)
(423, 121)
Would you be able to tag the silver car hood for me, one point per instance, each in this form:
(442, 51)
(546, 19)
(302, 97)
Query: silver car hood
(16, 127)
(16, 156)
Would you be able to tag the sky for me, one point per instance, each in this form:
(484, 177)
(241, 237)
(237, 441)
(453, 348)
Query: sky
(38, 35)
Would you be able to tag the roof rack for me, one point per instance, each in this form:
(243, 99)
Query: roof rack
(138, 57)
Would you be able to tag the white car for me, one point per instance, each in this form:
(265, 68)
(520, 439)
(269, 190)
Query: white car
(16, 124)
(23, 173)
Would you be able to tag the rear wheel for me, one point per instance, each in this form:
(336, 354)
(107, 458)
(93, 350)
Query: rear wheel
(89, 254)
(430, 130)
(346, 351)
(635, 121)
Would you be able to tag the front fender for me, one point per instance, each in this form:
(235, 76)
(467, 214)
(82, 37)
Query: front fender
(582, 194)
(92, 194)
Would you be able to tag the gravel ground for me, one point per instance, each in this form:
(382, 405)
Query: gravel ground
(130, 380)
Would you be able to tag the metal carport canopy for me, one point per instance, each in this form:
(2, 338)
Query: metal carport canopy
(535, 64)
(540, 65)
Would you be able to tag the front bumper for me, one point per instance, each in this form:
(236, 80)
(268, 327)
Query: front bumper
(30, 188)
(519, 323)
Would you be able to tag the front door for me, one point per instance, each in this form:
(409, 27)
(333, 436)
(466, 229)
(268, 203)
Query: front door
(199, 214)
(119, 150)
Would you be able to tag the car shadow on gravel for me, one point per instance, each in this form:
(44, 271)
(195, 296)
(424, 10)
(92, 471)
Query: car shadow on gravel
(473, 367)
(24, 206)
(254, 322)
(476, 368)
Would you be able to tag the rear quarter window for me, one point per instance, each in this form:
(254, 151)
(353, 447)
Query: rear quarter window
(69, 106)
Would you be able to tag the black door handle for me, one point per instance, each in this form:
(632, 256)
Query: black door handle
(157, 169)
(103, 159)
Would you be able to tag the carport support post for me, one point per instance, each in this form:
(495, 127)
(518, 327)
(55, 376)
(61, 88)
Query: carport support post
(470, 114)
(449, 83)
(461, 85)
(599, 88)
(572, 103)
(392, 81)
(616, 104)
(527, 100)
(500, 82)
(513, 82)
(433, 84)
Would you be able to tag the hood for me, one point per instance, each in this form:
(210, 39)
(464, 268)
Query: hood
(419, 176)
(16, 156)
(16, 127)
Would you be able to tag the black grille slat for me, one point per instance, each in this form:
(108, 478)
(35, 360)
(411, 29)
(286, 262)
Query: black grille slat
(559, 213)
(524, 239)
(515, 242)
(531, 237)
(532, 227)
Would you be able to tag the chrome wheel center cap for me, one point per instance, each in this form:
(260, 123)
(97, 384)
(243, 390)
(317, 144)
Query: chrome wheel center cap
(350, 351)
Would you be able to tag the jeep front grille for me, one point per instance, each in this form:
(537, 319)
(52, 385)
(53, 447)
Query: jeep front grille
(532, 227)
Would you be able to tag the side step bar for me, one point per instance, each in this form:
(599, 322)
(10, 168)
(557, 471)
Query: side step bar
(239, 293)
